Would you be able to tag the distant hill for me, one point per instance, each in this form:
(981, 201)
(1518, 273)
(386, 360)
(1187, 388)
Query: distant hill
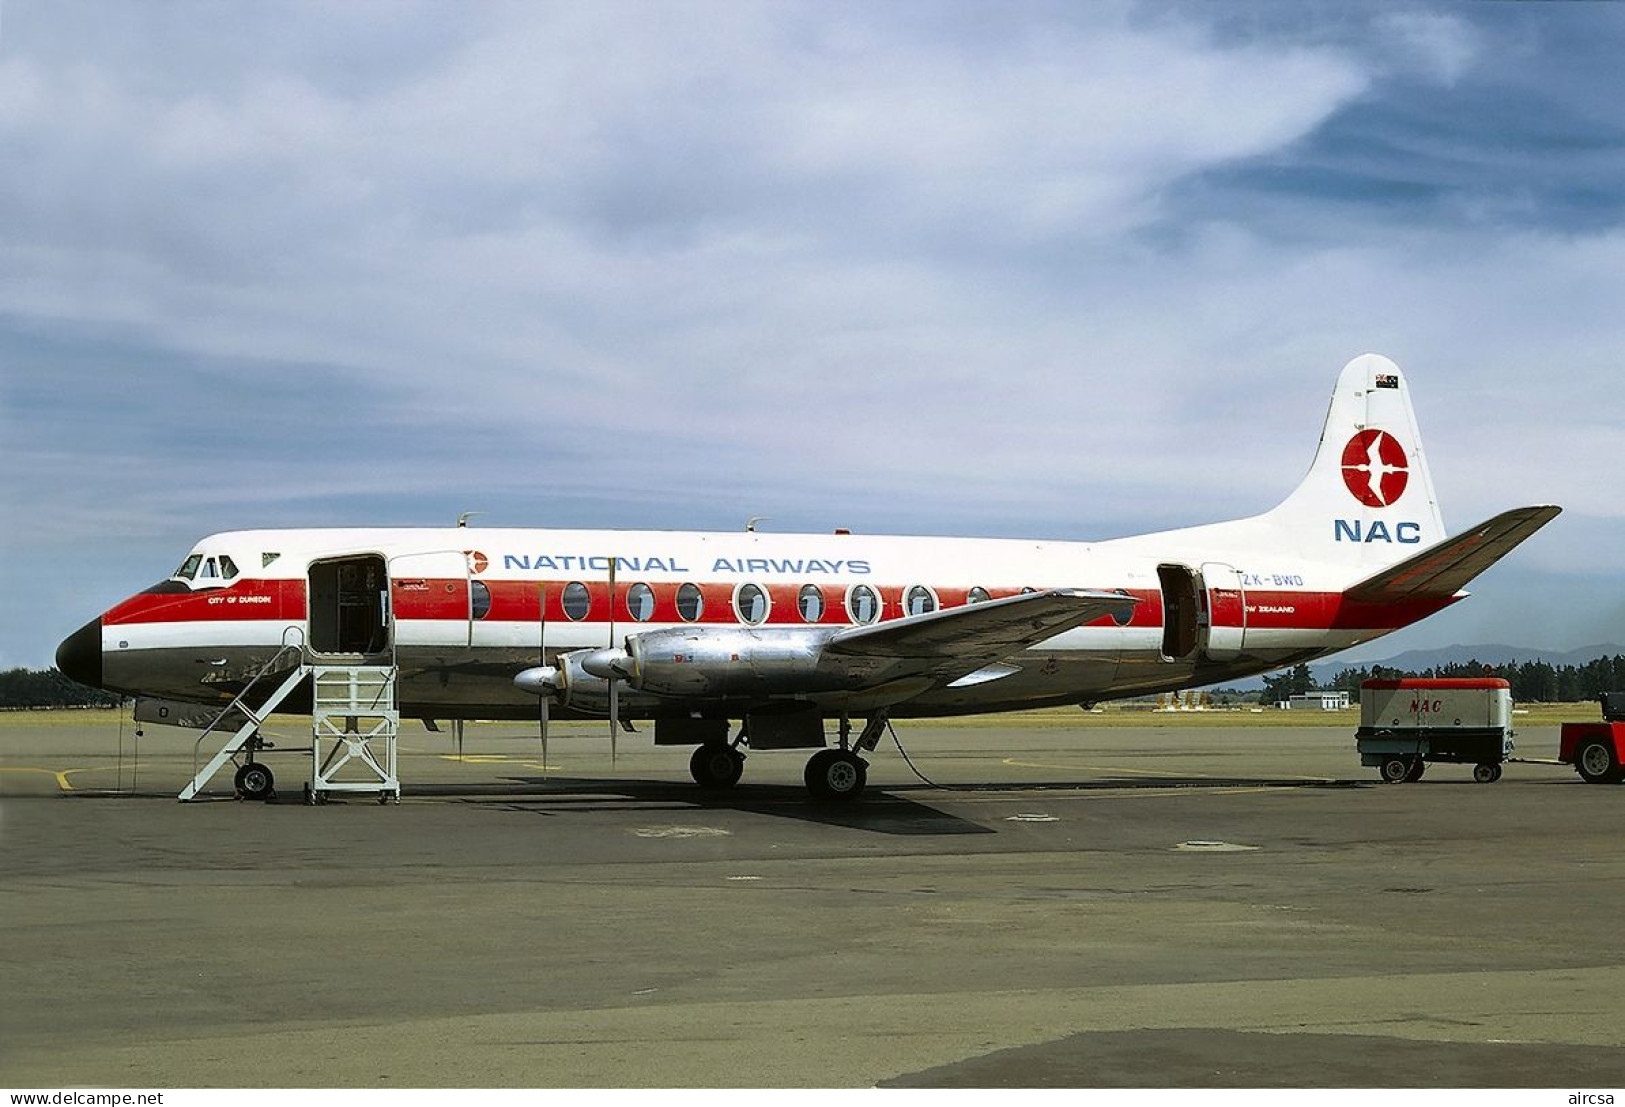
(1418, 660)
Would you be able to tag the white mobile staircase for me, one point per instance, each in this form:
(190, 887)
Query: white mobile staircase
(355, 727)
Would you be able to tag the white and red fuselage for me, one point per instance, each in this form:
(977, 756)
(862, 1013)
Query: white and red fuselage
(764, 620)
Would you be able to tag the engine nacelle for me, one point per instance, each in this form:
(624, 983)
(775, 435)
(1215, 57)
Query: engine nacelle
(691, 661)
(579, 690)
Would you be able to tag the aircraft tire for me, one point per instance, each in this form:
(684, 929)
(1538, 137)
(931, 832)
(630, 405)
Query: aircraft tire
(836, 776)
(255, 781)
(1596, 762)
(714, 765)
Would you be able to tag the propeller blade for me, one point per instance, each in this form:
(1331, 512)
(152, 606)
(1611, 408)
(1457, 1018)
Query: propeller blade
(614, 693)
(541, 660)
(545, 700)
(614, 716)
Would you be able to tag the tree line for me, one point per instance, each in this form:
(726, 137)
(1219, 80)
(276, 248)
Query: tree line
(1531, 681)
(48, 688)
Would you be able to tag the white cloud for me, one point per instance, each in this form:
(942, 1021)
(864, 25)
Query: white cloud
(874, 261)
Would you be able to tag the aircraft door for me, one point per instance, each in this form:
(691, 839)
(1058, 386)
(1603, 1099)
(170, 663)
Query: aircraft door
(1226, 611)
(1184, 611)
(433, 603)
(349, 606)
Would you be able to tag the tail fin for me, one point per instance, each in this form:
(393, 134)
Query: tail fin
(1368, 500)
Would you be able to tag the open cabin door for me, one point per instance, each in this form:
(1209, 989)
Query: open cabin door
(432, 600)
(1203, 612)
(1183, 611)
(349, 606)
(1226, 611)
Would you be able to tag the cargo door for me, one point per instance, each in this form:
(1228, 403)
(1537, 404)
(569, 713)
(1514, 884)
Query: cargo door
(1226, 611)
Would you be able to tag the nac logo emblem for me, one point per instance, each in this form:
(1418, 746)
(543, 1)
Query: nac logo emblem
(477, 561)
(1375, 468)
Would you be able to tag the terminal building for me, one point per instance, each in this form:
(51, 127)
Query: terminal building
(1316, 701)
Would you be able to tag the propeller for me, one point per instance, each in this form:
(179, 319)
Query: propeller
(543, 702)
(614, 694)
(542, 681)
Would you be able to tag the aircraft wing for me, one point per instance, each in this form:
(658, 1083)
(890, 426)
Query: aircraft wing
(1444, 569)
(967, 637)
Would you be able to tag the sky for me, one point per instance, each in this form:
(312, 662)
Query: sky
(1027, 269)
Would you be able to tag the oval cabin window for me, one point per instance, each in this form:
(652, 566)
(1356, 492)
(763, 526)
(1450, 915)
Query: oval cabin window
(577, 601)
(690, 603)
(750, 604)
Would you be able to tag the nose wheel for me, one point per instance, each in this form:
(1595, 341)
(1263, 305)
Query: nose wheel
(254, 781)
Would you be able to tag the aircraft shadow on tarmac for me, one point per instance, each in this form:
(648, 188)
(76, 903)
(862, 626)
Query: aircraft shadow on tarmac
(898, 809)
(878, 811)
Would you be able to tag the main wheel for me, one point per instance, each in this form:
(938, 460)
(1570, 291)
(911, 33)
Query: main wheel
(714, 765)
(1486, 772)
(255, 782)
(1597, 762)
(1396, 770)
(836, 776)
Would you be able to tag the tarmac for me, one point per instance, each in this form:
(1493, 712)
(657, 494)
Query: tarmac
(1067, 906)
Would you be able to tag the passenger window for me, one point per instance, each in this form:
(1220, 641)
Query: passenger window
(577, 601)
(640, 602)
(750, 604)
(919, 600)
(977, 595)
(862, 605)
(810, 601)
(690, 603)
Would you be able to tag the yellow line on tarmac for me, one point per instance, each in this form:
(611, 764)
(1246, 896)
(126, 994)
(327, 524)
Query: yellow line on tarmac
(61, 776)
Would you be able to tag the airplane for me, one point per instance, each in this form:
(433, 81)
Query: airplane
(786, 633)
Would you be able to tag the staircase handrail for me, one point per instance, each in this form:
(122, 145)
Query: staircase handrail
(237, 701)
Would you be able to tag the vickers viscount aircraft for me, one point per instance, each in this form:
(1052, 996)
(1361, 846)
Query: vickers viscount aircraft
(788, 634)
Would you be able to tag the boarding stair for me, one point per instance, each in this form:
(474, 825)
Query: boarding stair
(355, 724)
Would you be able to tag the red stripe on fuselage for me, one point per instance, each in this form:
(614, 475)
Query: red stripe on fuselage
(246, 599)
(419, 598)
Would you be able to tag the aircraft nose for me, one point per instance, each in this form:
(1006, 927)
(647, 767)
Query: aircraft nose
(79, 657)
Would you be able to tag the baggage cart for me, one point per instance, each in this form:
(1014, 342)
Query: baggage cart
(1407, 723)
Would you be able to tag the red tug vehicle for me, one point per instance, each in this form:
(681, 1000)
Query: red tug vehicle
(1597, 750)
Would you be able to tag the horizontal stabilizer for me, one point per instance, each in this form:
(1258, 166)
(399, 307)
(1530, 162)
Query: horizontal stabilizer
(1444, 569)
(991, 629)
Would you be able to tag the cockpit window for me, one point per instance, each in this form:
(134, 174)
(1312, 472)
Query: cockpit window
(228, 567)
(209, 570)
(188, 568)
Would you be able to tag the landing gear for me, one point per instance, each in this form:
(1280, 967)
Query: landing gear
(255, 782)
(836, 776)
(715, 765)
